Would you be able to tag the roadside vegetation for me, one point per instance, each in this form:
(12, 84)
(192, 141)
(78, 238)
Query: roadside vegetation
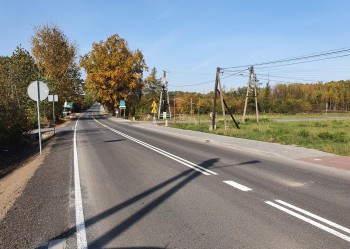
(331, 136)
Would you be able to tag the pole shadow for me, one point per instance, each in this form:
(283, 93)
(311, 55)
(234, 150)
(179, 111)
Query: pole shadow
(186, 177)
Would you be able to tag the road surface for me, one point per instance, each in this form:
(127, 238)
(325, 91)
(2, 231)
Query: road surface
(142, 189)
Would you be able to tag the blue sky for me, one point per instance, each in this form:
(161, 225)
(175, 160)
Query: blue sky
(189, 39)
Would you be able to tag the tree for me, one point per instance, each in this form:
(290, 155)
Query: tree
(265, 98)
(114, 72)
(151, 90)
(55, 57)
(17, 110)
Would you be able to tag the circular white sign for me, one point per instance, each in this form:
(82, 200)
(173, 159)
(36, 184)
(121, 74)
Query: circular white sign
(33, 90)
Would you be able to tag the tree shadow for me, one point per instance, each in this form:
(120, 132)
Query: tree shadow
(185, 177)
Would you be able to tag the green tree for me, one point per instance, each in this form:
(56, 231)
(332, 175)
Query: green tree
(17, 110)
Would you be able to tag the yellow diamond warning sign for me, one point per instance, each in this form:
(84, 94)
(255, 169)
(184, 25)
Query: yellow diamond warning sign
(154, 108)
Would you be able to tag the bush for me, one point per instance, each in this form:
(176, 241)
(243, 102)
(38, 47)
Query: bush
(14, 125)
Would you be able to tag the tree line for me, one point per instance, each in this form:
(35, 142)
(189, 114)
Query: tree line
(280, 98)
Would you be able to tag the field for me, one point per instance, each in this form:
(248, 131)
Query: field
(314, 132)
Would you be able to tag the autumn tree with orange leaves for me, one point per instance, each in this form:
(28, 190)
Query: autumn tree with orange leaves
(114, 73)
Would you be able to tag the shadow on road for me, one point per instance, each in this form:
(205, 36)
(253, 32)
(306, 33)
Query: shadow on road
(250, 163)
(184, 178)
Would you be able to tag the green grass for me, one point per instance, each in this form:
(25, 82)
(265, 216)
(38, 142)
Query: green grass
(331, 136)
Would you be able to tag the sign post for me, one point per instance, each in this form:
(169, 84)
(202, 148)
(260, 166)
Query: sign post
(38, 91)
(53, 99)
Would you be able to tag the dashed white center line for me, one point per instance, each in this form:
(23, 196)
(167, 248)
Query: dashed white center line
(238, 186)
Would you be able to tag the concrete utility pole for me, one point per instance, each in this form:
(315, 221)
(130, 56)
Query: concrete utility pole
(252, 79)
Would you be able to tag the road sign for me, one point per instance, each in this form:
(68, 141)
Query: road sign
(38, 91)
(154, 108)
(53, 98)
(122, 104)
(33, 92)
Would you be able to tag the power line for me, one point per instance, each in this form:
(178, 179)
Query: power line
(284, 77)
(211, 81)
(320, 54)
(302, 62)
(203, 83)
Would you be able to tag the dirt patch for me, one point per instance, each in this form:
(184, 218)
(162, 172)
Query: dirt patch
(13, 184)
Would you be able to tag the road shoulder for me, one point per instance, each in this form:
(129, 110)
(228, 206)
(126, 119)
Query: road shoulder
(42, 212)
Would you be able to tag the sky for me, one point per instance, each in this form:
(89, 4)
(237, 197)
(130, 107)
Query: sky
(189, 39)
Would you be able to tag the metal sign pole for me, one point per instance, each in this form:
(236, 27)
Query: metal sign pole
(38, 107)
(38, 91)
(53, 114)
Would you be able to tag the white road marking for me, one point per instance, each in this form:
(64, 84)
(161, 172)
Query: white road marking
(163, 152)
(79, 214)
(328, 222)
(238, 186)
(312, 222)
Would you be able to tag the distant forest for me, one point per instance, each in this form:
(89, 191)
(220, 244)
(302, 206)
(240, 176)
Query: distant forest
(280, 98)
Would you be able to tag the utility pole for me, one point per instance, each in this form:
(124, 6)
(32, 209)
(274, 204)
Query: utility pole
(222, 102)
(213, 125)
(160, 101)
(252, 79)
(198, 110)
(164, 102)
(256, 100)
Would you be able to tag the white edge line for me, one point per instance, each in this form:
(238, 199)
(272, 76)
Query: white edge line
(347, 230)
(316, 224)
(79, 214)
(238, 186)
(164, 153)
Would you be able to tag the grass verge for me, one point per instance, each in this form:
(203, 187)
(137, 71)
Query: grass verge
(331, 136)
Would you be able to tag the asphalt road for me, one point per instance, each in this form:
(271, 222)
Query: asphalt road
(108, 183)
(143, 189)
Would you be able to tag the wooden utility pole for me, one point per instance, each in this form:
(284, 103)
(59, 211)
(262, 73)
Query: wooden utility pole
(160, 101)
(167, 92)
(256, 100)
(222, 102)
(252, 79)
(213, 125)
